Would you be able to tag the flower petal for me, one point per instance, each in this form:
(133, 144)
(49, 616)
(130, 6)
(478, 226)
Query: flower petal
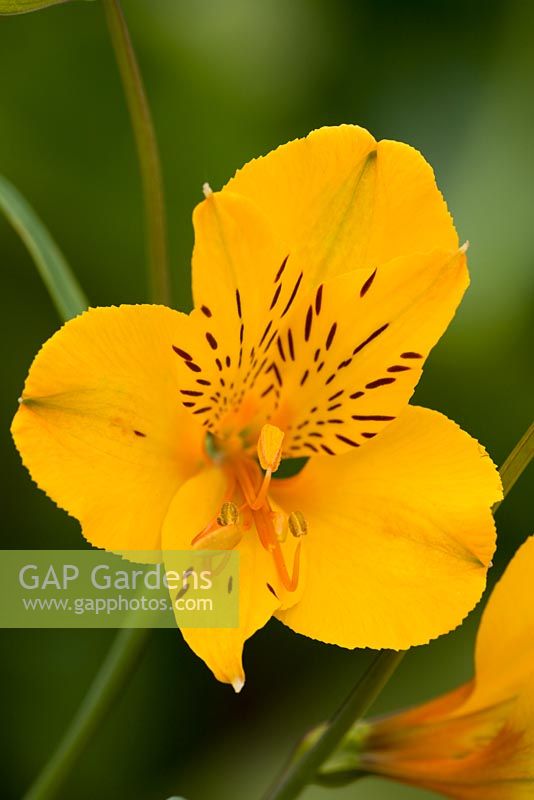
(235, 251)
(400, 535)
(100, 427)
(399, 727)
(241, 284)
(347, 201)
(504, 658)
(341, 361)
(221, 648)
(317, 208)
(351, 354)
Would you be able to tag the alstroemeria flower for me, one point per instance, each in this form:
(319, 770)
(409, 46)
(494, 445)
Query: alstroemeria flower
(323, 274)
(477, 742)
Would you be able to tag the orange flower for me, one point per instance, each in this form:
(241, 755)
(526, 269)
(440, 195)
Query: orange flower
(323, 274)
(477, 742)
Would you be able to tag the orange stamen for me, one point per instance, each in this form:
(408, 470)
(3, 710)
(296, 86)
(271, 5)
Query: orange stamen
(289, 583)
(255, 498)
(246, 484)
(264, 532)
(262, 494)
(264, 520)
(210, 527)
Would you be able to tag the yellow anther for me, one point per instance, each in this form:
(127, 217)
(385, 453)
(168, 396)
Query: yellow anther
(270, 447)
(297, 524)
(228, 515)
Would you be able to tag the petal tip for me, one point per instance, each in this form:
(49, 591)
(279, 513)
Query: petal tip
(207, 191)
(237, 684)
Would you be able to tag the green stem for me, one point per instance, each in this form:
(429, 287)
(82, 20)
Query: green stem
(517, 462)
(147, 152)
(302, 767)
(119, 664)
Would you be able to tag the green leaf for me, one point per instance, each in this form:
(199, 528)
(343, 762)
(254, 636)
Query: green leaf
(24, 6)
(53, 268)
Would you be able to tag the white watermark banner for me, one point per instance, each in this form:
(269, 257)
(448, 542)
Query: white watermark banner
(136, 589)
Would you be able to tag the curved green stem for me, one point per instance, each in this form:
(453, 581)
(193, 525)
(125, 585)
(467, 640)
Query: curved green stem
(302, 767)
(517, 462)
(119, 664)
(147, 152)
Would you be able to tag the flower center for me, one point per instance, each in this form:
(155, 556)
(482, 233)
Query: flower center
(246, 504)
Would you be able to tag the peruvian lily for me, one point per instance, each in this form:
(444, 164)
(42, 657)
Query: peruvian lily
(323, 274)
(476, 742)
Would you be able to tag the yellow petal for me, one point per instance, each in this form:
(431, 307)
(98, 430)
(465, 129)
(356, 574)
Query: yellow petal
(504, 658)
(347, 201)
(400, 535)
(235, 262)
(100, 427)
(352, 354)
(235, 250)
(242, 283)
(339, 362)
(264, 343)
(221, 648)
(317, 208)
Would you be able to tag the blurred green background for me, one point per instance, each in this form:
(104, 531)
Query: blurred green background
(228, 80)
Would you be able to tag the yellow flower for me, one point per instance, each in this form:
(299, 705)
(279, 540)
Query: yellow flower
(323, 274)
(477, 742)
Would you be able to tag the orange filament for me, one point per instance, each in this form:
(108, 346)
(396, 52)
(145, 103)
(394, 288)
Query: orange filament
(213, 524)
(261, 497)
(210, 528)
(264, 519)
